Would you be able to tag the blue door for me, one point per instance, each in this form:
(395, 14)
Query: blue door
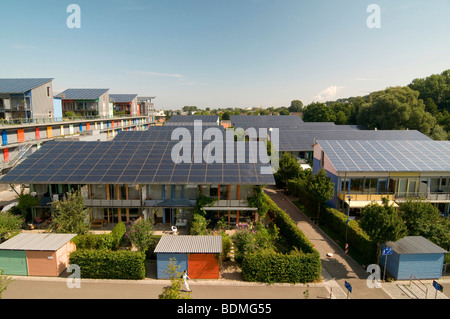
(163, 261)
(4, 138)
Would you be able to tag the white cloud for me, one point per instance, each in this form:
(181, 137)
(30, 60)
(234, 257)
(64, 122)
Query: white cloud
(328, 94)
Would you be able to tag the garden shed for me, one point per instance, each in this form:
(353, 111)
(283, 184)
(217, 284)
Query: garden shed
(199, 255)
(414, 256)
(36, 254)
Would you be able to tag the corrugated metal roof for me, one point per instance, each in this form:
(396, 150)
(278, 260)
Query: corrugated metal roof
(415, 245)
(21, 85)
(189, 244)
(122, 98)
(37, 242)
(82, 94)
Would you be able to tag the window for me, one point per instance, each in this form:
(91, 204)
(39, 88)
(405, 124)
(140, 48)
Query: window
(48, 91)
(370, 185)
(356, 185)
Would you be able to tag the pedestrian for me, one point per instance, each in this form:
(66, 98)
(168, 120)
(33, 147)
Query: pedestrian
(185, 278)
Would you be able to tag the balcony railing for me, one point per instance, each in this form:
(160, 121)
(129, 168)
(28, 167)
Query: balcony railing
(113, 202)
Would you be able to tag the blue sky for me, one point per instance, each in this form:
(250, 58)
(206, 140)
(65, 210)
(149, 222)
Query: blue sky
(226, 53)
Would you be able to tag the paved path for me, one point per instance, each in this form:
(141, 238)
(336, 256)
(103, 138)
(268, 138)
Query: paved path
(340, 267)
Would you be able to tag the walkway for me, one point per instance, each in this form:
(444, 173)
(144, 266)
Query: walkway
(340, 267)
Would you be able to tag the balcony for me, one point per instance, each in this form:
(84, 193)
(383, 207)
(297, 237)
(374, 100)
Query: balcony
(113, 203)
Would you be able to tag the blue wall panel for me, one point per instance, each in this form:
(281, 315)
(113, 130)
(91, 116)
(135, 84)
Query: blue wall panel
(163, 260)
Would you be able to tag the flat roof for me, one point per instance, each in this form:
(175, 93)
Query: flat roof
(387, 155)
(189, 119)
(37, 242)
(415, 245)
(185, 244)
(21, 85)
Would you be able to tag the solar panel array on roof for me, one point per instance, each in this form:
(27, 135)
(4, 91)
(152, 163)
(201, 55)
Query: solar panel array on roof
(122, 98)
(82, 94)
(387, 155)
(267, 121)
(303, 140)
(63, 162)
(189, 120)
(162, 133)
(21, 85)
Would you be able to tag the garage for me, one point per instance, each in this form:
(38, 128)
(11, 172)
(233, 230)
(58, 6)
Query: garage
(32, 254)
(414, 257)
(199, 255)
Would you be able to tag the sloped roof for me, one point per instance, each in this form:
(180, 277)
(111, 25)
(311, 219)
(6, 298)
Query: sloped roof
(189, 244)
(415, 245)
(37, 242)
(122, 98)
(82, 94)
(21, 85)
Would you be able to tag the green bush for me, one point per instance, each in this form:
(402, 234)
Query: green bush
(357, 239)
(262, 262)
(270, 266)
(103, 264)
(109, 241)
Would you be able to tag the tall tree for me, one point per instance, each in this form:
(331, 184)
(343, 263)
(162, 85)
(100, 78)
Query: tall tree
(321, 188)
(69, 215)
(288, 169)
(318, 112)
(382, 224)
(296, 106)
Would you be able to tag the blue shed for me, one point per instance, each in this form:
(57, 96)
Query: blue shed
(414, 256)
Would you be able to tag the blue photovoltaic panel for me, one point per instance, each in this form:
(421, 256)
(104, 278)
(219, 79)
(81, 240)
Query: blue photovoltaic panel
(388, 155)
(133, 162)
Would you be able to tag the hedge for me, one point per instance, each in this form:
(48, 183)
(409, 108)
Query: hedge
(357, 239)
(103, 264)
(108, 241)
(301, 265)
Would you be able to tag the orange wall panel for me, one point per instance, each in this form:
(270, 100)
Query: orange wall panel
(21, 135)
(203, 266)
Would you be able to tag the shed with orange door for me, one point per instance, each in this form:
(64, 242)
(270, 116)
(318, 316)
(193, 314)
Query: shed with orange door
(199, 255)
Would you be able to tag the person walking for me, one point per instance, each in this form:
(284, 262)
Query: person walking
(185, 278)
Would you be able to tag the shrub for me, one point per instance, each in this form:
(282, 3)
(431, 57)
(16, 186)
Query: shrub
(109, 241)
(102, 264)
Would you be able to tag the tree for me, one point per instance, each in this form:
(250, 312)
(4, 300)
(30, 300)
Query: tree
(382, 224)
(4, 282)
(396, 108)
(69, 215)
(288, 169)
(176, 281)
(140, 234)
(296, 106)
(10, 225)
(225, 116)
(318, 112)
(424, 219)
(321, 189)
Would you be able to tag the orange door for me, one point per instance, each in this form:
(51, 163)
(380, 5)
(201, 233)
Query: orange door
(203, 266)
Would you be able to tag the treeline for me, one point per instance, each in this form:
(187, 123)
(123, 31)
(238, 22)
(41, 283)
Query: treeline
(423, 105)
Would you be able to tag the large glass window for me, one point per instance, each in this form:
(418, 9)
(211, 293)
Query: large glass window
(382, 186)
(356, 185)
(370, 185)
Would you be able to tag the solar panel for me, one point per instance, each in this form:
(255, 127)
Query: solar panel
(388, 155)
(131, 162)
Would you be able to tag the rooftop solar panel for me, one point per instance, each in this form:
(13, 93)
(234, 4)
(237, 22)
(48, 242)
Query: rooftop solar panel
(387, 155)
(79, 163)
(21, 85)
(189, 120)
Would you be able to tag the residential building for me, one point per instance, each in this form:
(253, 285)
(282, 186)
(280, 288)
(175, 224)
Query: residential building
(26, 98)
(364, 171)
(146, 106)
(86, 102)
(125, 104)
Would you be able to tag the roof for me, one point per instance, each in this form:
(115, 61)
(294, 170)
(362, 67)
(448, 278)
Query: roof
(122, 98)
(21, 85)
(37, 242)
(140, 162)
(415, 245)
(82, 94)
(388, 155)
(304, 139)
(266, 121)
(189, 244)
(189, 119)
